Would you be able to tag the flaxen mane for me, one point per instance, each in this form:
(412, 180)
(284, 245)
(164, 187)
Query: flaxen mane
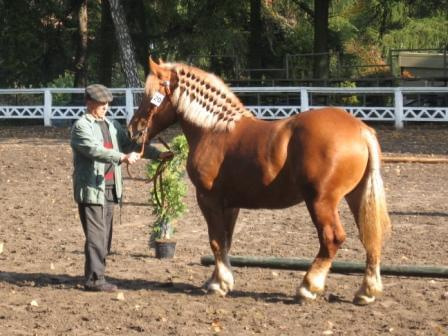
(205, 100)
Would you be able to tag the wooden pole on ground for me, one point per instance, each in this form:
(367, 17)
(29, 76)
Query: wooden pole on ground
(337, 266)
(413, 159)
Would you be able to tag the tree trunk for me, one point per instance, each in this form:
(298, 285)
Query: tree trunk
(106, 45)
(321, 59)
(127, 53)
(141, 37)
(81, 50)
(255, 38)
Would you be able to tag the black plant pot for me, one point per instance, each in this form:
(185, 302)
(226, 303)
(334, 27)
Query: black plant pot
(165, 248)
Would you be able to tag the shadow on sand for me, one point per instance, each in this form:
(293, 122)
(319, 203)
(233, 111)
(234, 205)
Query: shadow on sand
(67, 282)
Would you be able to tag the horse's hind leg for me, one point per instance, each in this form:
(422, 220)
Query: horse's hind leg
(220, 222)
(331, 235)
(371, 285)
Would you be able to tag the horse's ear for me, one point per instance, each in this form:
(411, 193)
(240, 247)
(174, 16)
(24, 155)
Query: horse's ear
(152, 65)
(155, 68)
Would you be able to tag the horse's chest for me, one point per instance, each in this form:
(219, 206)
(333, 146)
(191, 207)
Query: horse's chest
(203, 171)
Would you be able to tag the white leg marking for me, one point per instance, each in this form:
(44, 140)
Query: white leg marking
(225, 276)
(370, 287)
(373, 282)
(223, 282)
(304, 293)
(316, 280)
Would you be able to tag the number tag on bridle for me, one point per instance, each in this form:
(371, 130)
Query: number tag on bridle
(157, 99)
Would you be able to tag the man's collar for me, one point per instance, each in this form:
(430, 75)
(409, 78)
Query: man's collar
(91, 118)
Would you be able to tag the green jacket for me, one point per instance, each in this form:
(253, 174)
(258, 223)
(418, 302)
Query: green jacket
(90, 156)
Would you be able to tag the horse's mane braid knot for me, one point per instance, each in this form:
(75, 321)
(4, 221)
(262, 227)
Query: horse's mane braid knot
(205, 100)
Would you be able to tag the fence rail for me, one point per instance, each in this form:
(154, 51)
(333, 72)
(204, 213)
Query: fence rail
(398, 104)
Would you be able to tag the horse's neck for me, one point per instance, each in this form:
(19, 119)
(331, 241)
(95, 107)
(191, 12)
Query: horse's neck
(195, 134)
(208, 104)
(192, 132)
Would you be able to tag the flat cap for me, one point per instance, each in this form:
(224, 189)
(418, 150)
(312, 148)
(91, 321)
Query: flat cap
(99, 93)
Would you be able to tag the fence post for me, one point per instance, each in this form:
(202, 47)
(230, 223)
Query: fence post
(48, 102)
(304, 105)
(398, 99)
(129, 105)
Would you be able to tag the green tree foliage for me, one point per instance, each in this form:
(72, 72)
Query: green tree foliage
(38, 38)
(419, 33)
(33, 42)
(401, 24)
(167, 195)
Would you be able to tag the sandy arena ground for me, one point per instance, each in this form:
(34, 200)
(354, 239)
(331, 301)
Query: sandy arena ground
(41, 258)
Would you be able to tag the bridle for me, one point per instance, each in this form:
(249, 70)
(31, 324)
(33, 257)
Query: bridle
(155, 102)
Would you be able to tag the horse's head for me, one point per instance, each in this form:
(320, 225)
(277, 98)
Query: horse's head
(155, 112)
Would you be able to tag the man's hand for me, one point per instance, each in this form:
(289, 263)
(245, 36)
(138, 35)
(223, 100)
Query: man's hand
(130, 158)
(166, 156)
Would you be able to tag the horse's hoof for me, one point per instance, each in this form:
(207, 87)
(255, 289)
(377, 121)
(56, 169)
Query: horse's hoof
(214, 288)
(305, 295)
(363, 300)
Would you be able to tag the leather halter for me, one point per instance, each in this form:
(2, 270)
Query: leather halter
(157, 178)
(166, 84)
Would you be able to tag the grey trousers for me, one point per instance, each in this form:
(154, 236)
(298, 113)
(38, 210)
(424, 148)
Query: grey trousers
(97, 223)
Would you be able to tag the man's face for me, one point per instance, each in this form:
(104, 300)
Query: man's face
(97, 109)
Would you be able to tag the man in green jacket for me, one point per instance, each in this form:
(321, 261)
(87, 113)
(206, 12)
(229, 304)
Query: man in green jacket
(99, 147)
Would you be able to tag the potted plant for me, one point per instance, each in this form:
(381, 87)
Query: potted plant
(167, 197)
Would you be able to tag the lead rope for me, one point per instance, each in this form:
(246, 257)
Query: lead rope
(120, 204)
(145, 134)
(156, 178)
(162, 165)
(156, 100)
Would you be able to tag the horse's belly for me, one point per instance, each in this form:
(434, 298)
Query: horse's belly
(240, 189)
(268, 197)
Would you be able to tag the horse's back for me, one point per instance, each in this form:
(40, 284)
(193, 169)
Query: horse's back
(330, 120)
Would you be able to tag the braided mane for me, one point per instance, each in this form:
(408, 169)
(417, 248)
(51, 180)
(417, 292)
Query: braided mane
(204, 99)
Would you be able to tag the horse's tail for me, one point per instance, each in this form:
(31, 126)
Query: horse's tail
(373, 218)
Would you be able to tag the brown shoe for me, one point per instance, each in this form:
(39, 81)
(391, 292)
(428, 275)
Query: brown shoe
(104, 287)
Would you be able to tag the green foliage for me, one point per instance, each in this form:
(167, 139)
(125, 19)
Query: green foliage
(39, 38)
(35, 40)
(62, 81)
(174, 190)
(342, 26)
(419, 34)
(350, 100)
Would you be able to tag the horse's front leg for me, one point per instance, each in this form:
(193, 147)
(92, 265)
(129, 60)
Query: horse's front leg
(220, 222)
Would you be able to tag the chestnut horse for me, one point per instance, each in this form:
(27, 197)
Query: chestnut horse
(238, 161)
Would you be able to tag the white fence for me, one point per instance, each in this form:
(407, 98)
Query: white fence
(400, 104)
